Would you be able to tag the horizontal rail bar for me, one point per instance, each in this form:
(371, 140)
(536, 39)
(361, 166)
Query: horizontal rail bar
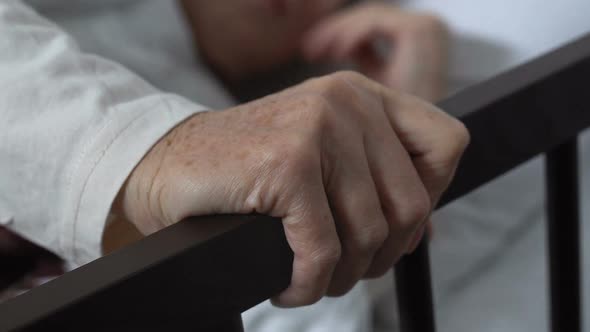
(176, 275)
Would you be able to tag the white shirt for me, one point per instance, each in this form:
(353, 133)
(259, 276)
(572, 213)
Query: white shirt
(72, 124)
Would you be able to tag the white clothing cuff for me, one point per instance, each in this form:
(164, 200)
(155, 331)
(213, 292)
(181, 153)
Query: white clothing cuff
(99, 175)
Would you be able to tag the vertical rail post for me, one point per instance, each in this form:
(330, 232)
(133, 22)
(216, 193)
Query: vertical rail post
(414, 291)
(563, 234)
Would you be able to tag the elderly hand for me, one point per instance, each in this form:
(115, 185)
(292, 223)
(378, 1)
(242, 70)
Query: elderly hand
(351, 167)
(416, 61)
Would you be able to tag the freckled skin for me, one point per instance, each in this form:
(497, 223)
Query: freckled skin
(331, 157)
(317, 142)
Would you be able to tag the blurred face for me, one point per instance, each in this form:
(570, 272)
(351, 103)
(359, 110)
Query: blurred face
(280, 22)
(260, 33)
(285, 8)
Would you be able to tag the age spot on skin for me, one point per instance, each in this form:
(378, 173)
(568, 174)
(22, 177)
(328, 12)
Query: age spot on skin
(243, 155)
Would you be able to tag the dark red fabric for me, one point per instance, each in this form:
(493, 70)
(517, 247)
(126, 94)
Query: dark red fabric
(24, 265)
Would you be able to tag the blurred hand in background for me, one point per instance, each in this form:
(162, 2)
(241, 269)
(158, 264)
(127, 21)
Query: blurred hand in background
(400, 49)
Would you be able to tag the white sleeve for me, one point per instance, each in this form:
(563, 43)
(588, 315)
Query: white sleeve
(72, 128)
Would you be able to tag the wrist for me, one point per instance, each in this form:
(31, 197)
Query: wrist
(119, 233)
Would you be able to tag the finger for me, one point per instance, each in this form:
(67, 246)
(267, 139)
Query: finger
(318, 40)
(360, 222)
(434, 139)
(418, 66)
(404, 199)
(403, 67)
(311, 234)
(338, 36)
(351, 27)
(351, 40)
(417, 238)
(343, 37)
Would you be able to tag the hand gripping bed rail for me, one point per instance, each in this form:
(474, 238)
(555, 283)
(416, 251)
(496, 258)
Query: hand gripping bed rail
(178, 280)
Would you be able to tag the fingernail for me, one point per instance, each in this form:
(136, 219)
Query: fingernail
(275, 301)
(283, 300)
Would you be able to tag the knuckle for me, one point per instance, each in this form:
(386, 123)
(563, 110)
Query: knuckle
(371, 238)
(348, 75)
(318, 107)
(457, 137)
(340, 82)
(314, 113)
(460, 134)
(415, 210)
(454, 134)
(345, 92)
(327, 256)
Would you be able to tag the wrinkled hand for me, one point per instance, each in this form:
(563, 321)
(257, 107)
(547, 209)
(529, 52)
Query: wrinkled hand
(416, 61)
(351, 167)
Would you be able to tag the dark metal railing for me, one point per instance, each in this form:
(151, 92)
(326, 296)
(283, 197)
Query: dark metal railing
(513, 117)
(178, 280)
(563, 234)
